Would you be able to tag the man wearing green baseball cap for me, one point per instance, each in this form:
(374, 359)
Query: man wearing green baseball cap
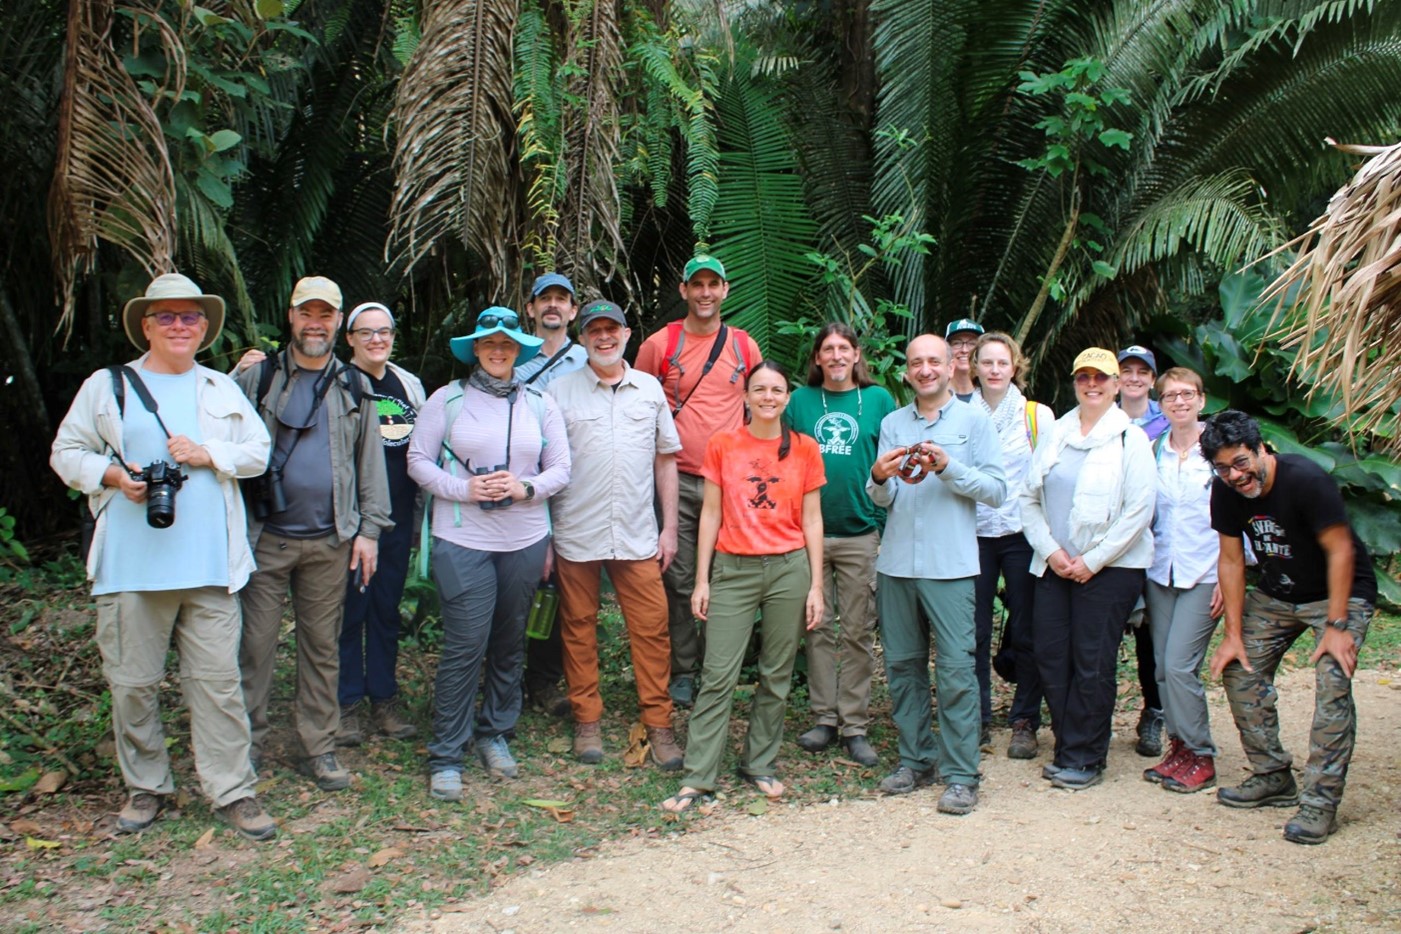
(701, 363)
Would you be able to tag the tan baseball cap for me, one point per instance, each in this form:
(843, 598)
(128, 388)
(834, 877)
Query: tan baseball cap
(311, 288)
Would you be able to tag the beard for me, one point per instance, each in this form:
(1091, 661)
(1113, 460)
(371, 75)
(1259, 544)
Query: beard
(312, 345)
(612, 358)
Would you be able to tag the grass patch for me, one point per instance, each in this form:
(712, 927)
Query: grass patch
(382, 850)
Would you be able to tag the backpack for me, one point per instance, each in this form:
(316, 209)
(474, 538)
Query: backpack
(350, 383)
(452, 408)
(676, 339)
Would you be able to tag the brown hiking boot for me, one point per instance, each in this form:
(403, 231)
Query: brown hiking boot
(139, 812)
(389, 721)
(1023, 744)
(664, 750)
(588, 743)
(350, 732)
(247, 816)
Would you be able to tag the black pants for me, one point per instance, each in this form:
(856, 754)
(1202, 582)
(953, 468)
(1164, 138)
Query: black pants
(1147, 668)
(1008, 557)
(1078, 628)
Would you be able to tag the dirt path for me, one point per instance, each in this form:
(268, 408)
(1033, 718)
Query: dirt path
(1125, 856)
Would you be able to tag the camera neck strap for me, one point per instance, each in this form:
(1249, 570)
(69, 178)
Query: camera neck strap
(143, 394)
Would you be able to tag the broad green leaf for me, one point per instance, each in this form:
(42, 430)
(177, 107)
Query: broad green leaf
(544, 803)
(21, 782)
(208, 17)
(267, 9)
(224, 139)
(1378, 525)
(1117, 138)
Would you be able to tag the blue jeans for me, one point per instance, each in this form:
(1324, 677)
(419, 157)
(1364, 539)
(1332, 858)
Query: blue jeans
(485, 598)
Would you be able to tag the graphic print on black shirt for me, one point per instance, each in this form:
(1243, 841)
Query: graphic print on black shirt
(1283, 527)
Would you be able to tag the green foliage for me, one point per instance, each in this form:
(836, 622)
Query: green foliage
(12, 550)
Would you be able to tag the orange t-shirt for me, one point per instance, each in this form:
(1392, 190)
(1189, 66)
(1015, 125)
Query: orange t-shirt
(715, 403)
(761, 497)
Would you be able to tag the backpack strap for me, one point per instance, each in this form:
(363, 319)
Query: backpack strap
(270, 365)
(1158, 443)
(447, 457)
(1031, 426)
(675, 339)
(741, 345)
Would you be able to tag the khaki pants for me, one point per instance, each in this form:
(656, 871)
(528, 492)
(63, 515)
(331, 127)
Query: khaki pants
(849, 588)
(316, 570)
(638, 585)
(134, 633)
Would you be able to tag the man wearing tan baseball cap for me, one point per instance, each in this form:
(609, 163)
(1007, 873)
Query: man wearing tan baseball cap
(316, 518)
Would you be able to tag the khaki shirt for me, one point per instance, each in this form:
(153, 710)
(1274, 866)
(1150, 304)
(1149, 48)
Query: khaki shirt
(614, 438)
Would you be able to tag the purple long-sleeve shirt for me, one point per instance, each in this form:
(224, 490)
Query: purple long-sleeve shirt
(478, 438)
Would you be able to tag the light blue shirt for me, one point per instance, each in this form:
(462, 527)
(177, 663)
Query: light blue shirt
(193, 552)
(573, 358)
(932, 531)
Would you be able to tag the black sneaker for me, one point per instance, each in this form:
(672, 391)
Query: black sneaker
(1313, 824)
(1271, 790)
(818, 738)
(1150, 733)
(858, 749)
(682, 691)
(1023, 744)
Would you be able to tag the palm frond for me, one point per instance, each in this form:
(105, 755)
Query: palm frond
(112, 175)
(1345, 317)
(454, 149)
(537, 106)
(762, 227)
(592, 237)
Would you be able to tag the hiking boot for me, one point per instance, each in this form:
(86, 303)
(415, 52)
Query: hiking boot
(1195, 773)
(1273, 790)
(663, 748)
(350, 732)
(1150, 733)
(1313, 824)
(139, 812)
(496, 757)
(985, 738)
(818, 738)
(389, 721)
(858, 749)
(549, 699)
(1174, 760)
(247, 816)
(588, 743)
(327, 772)
(905, 780)
(1077, 779)
(958, 799)
(1023, 744)
(445, 785)
(682, 690)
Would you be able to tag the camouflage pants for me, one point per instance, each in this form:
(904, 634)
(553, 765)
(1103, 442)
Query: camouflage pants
(1269, 628)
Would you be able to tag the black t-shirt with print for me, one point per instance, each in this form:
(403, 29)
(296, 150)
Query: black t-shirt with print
(397, 417)
(1283, 527)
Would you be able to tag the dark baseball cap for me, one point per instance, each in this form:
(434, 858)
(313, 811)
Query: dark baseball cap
(601, 309)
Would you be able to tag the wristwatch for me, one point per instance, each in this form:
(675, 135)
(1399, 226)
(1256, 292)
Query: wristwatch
(1337, 623)
(529, 489)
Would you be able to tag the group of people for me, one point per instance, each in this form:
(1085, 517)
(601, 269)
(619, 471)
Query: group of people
(718, 499)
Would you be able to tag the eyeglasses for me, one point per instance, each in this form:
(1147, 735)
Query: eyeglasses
(963, 344)
(504, 319)
(1186, 395)
(1084, 379)
(165, 319)
(366, 334)
(1239, 465)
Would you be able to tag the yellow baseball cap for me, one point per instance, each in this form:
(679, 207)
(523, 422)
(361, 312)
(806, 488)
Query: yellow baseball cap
(1097, 358)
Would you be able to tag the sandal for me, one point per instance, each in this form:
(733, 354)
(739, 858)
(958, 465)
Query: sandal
(769, 786)
(685, 799)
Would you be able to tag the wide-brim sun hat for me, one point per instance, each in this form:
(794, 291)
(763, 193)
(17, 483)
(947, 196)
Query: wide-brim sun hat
(529, 344)
(169, 287)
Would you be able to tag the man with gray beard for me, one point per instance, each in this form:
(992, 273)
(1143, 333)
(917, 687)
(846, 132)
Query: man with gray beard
(623, 444)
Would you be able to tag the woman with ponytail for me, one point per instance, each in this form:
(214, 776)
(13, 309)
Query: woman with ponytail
(760, 549)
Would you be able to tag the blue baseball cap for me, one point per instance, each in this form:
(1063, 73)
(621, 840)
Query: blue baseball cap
(548, 279)
(496, 320)
(1142, 353)
(962, 324)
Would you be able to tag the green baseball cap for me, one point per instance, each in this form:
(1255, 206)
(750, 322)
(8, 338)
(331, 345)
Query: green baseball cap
(704, 261)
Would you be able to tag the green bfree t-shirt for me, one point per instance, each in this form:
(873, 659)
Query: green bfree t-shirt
(847, 428)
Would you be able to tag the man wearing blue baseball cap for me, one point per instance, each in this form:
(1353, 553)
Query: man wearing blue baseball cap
(551, 307)
(962, 337)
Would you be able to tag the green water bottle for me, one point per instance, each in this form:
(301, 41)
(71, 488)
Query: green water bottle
(541, 621)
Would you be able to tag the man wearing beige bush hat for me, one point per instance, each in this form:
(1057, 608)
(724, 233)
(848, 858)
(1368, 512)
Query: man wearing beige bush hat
(170, 546)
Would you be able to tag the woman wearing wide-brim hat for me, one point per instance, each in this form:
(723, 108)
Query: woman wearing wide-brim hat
(490, 451)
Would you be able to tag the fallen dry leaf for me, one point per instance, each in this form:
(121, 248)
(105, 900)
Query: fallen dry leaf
(34, 843)
(759, 806)
(384, 856)
(351, 882)
(50, 782)
(559, 745)
(635, 756)
(205, 839)
(26, 827)
(563, 815)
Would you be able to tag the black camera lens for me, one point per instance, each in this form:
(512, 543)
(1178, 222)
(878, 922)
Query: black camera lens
(162, 483)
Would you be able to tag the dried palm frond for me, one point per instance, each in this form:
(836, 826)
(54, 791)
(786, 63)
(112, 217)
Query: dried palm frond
(112, 175)
(455, 144)
(591, 237)
(1345, 317)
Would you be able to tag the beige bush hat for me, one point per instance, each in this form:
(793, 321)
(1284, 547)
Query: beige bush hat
(172, 285)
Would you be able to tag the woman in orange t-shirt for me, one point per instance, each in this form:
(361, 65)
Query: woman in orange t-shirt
(760, 549)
